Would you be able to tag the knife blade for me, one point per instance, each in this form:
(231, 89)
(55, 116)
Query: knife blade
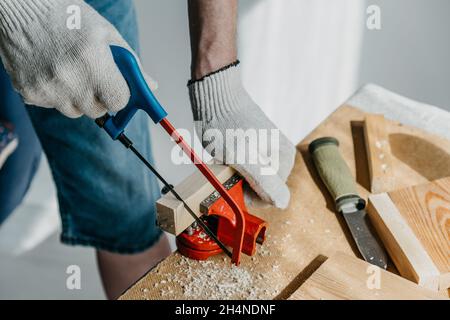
(361, 230)
(336, 175)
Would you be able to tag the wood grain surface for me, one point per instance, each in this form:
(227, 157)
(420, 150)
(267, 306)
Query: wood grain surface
(343, 277)
(409, 255)
(378, 154)
(426, 208)
(299, 237)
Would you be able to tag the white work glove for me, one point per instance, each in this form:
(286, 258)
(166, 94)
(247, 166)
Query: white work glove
(219, 103)
(54, 66)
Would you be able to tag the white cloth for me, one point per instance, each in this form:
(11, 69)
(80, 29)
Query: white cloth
(375, 99)
(300, 58)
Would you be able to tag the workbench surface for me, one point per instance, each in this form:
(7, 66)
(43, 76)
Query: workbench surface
(302, 237)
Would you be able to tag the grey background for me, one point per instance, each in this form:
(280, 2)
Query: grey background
(410, 55)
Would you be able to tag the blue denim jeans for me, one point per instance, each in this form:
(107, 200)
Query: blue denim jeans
(106, 197)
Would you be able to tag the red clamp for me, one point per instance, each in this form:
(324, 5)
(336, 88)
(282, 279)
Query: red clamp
(219, 216)
(239, 222)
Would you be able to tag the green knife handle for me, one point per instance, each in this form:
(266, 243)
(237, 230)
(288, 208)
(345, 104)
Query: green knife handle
(334, 172)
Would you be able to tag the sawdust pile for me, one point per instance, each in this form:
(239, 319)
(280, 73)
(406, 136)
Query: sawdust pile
(217, 281)
(260, 277)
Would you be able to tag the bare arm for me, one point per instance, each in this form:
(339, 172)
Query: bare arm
(213, 27)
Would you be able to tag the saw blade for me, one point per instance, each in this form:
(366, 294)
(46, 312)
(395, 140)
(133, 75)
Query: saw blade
(365, 238)
(129, 145)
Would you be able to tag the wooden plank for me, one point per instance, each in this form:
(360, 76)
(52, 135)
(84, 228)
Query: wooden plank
(308, 228)
(378, 154)
(408, 254)
(343, 277)
(172, 215)
(426, 208)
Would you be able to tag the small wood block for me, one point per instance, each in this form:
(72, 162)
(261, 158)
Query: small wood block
(172, 215)
(343, 277)
(378, 154)
(414, 224)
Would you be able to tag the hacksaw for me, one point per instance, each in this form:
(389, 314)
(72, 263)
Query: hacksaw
(236, 226)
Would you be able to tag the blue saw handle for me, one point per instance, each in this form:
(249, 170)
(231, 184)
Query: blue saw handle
(141, 96)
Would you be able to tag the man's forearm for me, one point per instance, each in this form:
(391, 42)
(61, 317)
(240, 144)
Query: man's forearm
(213, 28)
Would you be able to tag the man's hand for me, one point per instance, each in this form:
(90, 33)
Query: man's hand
(53, 65)
(236, 132)
(222, 107)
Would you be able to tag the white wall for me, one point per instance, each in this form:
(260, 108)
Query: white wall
(165, 48)
(411, 53)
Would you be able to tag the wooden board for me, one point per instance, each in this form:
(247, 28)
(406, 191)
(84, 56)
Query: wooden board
(308, 229)
(343, 277)
(414, 224)
(378, 154)
(172, 215)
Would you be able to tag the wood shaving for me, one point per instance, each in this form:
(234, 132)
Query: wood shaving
(215, 281)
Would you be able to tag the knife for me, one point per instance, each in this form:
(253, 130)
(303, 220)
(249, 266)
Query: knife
(339, 181)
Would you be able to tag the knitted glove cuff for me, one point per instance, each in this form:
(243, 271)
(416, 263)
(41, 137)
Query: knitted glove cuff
(16, 14)
(218, 93)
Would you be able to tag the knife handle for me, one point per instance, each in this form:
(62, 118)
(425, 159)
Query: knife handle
(333, 170)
